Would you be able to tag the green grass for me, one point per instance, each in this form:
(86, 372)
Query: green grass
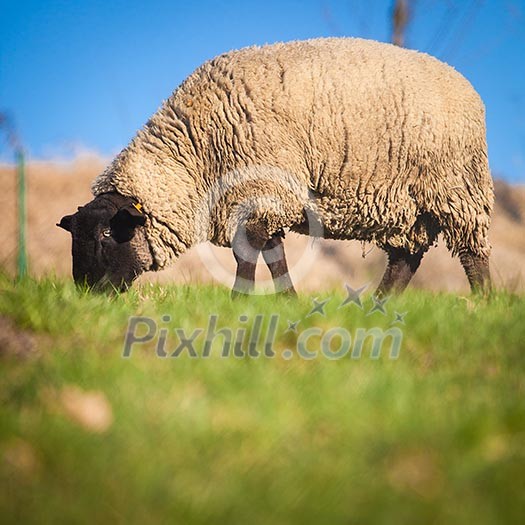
(435, 436)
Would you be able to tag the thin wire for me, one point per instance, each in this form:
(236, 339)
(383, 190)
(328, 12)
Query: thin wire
(443, 29)
(332, 25)
(367, 11)
(464, 28)
(513, 23)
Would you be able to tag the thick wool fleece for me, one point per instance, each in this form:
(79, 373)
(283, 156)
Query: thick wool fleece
(379, 143)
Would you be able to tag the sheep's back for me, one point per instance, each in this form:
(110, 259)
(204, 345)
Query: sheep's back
(339, 111)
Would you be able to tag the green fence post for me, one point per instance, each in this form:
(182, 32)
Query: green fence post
(22, 251)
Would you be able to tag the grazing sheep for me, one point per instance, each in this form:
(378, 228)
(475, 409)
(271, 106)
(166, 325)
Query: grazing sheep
(340, 137)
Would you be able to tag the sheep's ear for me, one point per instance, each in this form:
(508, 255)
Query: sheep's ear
(65, 222)
(129, 216)
(124, 222)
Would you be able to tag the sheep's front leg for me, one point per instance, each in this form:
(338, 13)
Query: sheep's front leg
(275, 258)
(246, 247)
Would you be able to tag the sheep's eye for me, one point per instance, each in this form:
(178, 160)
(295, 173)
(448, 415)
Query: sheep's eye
(106, 232)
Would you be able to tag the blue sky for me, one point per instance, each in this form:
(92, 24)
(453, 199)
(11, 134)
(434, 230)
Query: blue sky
(86, 75)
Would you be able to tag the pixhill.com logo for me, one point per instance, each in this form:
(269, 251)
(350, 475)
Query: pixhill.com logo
(259, 335)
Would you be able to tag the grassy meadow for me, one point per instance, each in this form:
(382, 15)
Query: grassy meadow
(87, 436)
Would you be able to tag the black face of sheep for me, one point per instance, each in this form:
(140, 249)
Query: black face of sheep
(108, 244)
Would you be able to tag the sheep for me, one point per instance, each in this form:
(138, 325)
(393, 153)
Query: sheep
(343, 138)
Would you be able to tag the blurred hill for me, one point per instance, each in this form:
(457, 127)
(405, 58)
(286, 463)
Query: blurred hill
(57, 188)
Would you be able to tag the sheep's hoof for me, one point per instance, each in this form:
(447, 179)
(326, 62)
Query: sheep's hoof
(289, 292)
(237, 294)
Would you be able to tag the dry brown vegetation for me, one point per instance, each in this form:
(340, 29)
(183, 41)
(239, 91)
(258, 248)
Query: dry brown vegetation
(57, 188)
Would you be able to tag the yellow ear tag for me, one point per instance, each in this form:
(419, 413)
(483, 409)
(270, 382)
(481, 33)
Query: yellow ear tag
(138, 207)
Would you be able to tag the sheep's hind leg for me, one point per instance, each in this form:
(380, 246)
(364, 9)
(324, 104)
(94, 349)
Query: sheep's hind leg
(477, 269)
(401, 267)
(275, 258)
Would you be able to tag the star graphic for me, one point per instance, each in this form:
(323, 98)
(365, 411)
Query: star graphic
(400, 318)
(354, 296)
(318, 307)
(379, 305)
(292, 327)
